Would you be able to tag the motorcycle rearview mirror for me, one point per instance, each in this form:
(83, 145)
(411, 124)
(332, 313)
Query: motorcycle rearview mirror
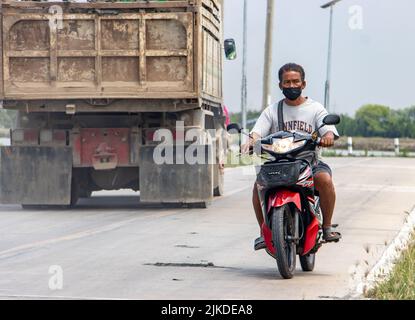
(234, 127)
(331, 119)
(230, 49)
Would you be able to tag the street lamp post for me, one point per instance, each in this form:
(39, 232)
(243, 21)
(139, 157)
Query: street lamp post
(327, 85)
(266, 95)
(244, 59)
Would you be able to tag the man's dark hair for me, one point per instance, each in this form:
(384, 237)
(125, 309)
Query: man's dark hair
(291, 67)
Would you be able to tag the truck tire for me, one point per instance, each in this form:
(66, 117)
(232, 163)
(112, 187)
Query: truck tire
(35, 207)
(75, 192)
(85, 193)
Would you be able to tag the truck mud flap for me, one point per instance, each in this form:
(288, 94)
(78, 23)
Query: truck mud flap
(175, 183)
(35, 175)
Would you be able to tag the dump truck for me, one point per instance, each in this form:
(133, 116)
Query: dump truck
(94, 82)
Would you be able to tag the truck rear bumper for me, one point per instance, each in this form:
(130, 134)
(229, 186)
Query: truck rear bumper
(35, 175)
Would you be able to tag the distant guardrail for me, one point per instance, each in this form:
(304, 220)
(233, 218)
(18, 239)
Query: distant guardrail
(373, 147)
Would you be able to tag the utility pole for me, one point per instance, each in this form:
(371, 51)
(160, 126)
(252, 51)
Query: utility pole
(327, 85)
(244, 81)
(266, 94)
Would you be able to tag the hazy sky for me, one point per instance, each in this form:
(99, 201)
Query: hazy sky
(372, 64)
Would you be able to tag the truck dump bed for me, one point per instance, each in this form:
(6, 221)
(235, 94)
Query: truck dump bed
(140, 50)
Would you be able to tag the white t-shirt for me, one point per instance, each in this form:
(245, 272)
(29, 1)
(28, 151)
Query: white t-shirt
(305, 118)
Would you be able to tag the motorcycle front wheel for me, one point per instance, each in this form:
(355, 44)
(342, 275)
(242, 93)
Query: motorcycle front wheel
(283, 231)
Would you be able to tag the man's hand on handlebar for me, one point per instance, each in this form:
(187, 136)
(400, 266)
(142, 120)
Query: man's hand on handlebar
(327, 140)
(245, 148)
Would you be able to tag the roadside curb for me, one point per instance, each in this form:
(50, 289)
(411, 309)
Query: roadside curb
(390, 257)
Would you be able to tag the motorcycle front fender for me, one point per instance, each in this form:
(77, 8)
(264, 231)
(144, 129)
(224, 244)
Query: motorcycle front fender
(282, 197)
(275, 200)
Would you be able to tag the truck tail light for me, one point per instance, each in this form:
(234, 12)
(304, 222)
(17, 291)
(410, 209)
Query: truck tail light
(53, 137)
(25, 136)
(45, 137)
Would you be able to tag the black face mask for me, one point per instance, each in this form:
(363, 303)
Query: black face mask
(292, 93)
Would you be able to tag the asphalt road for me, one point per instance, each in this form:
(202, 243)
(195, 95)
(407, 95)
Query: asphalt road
(110, 246)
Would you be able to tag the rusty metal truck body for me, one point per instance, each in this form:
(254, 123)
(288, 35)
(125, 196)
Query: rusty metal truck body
(93, 82)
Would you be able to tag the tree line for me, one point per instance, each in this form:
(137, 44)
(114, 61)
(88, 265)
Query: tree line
(374, 120)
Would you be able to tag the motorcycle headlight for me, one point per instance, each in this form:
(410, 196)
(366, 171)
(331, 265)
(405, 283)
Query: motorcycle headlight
(286, 145)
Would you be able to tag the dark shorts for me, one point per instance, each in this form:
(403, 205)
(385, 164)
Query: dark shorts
(322, 167)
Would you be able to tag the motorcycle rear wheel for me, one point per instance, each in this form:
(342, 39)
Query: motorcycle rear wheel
(307, 262)
(283, 226)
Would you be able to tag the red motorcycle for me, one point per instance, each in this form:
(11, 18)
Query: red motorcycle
(290, 205)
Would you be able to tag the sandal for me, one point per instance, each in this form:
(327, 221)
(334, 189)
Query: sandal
(259, 244)
(331, 236)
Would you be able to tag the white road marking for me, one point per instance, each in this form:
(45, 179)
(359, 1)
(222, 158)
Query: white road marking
(75, 236)
(231, 193)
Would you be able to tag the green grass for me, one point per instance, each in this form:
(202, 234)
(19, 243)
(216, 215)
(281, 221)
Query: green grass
(404, 153)
(401, 283)
(332, 154)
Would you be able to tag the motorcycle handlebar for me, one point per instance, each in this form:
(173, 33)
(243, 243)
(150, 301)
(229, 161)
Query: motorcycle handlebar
(318, 141)
(312, 142)
(251, 149)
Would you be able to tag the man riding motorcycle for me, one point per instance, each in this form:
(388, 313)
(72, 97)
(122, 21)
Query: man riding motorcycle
(304, 115)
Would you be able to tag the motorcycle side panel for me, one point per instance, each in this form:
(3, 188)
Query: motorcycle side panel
(310, 236)
(266, 231)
